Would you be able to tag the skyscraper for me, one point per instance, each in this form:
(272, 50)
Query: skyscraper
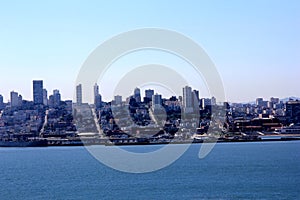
(118, 100)
(56, 98)
(45, 97)
(79, 94)
(96, 90)
(38, 92)
(137, 94)
(187, 99)
(14, 99)
(97, 96)
(156, 101)
(1, 102)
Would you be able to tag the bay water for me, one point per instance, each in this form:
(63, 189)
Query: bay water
(256, 170)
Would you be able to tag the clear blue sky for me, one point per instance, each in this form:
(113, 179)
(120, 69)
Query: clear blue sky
(254, 44)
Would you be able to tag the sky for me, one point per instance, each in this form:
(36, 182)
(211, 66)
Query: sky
(255, 45)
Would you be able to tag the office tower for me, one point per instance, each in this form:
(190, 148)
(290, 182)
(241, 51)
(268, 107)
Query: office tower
(195, 99)
(20, 100)
(14, 99)
(149, 93)
(56, 98)
(79, 94)
(96, 90)
(187, 99)
(205, 102)
(293, 111)
(51, 101)
(1, 102)
(45, 97)
(274, 100)
(259, 101)
(137, 95)
(97, 96)
(118, 100)
(156, 101)
(38, 92)
(213, 101)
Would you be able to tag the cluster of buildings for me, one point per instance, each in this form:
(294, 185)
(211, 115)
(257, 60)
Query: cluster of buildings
(148, 115)
(41, 117)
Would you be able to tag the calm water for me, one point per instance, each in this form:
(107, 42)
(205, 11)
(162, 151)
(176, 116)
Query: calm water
(269, 170)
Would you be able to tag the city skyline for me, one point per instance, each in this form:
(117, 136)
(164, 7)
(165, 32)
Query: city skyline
(252, 46)
(188, 95)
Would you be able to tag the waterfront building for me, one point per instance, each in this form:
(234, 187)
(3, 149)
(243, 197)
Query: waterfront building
(14, 99)
(38, 92)
(79, 94)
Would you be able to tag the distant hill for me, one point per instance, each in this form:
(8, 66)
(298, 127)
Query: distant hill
(284, 100)
(288, 98)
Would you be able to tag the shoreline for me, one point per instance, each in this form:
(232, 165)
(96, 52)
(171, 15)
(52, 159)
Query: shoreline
(107, 142)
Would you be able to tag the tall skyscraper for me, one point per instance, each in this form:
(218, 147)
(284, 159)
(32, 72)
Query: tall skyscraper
(118, 100)
(137, 94)
(195, 99)
(45, 97)
(149, 93)
(156, 101)
(79, 94)
(14, 99)
(20, 100)
(187, 99)
(56, 98)
(38, 92)
(97, 96)
(96, 90)
(1, 102)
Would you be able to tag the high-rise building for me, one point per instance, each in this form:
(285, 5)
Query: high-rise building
(79, 94)
(156, 101)
(1, 102)
(259, 101)
(293, 111)
(45, 97)
(274, 100)
(118, 100)
(195, 99)
(14, 99)
(96, 90)
(137, 95)
(56, 98)
(205, 102)
(187, 99)
(51, 101)
(97, 96)
(38, 92)
(20, 100)
(148, 95)
(213, 101)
